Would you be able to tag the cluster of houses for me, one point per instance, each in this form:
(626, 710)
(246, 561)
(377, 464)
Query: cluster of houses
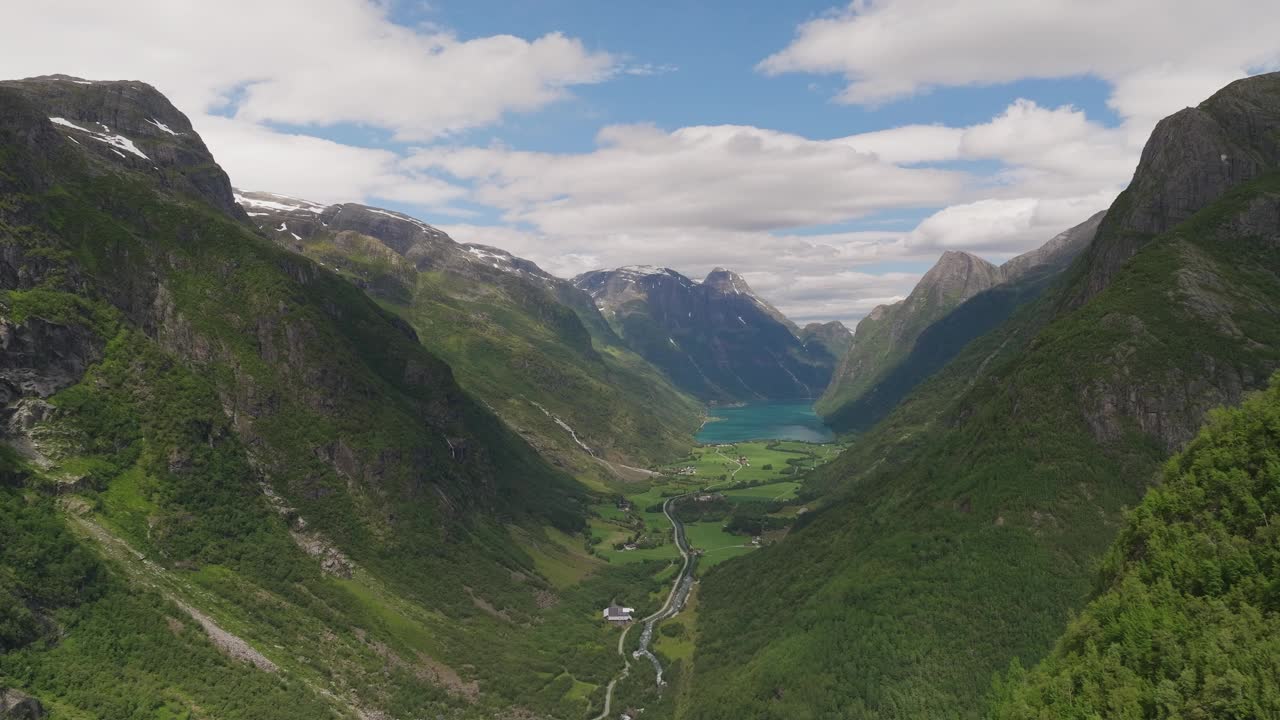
(687, 470)
(708, 497)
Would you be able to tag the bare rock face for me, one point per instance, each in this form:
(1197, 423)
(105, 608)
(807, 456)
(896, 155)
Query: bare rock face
(39, 357)
(129, 126)
(17, 705)
(1192, 158)
(717, 339)
(1056, 254)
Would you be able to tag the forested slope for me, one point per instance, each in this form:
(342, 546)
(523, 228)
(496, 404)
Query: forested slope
(963, 528)
(1187, 619)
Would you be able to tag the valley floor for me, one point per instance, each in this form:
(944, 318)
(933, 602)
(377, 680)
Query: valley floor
(716, 503)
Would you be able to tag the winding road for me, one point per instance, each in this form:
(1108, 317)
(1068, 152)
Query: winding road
(675, 603)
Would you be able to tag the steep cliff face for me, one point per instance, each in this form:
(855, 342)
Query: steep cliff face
(1192, 158)
(962, 527)
(904, 343)
(717, 339)
(530, 345)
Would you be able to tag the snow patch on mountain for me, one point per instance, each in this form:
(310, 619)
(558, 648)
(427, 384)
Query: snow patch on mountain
(116, 141)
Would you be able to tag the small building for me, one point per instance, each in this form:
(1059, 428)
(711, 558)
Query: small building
(629, 546)
(756, 541)
(624, 505)
(618, 615)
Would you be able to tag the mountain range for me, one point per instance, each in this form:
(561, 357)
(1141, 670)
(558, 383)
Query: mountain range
(959, 299)
(531, 346)
(716, 339)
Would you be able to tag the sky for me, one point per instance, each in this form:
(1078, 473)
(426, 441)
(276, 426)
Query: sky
(827, 152)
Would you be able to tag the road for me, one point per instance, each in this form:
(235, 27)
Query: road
(676, 599)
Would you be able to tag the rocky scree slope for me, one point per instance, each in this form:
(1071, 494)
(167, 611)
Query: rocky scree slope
(196, 418)
(531, 346)
(716, 340)
(961, 531)
(962, 297)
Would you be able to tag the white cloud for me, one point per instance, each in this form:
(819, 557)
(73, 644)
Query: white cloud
(888, 49)
(301, 62)
(320, 170)
(1001, 228)
(730, 178)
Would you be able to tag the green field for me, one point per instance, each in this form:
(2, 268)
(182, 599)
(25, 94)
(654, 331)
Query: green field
(765, 460)
(773, 491)
(716, 544)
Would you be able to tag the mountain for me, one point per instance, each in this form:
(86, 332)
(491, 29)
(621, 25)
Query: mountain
(961, 531)
(716, 340)
(962, 297)
(531, 346)
(1186, 619)
(831, 337)
(231, 484)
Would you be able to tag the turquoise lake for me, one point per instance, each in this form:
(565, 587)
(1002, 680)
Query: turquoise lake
(765, 421)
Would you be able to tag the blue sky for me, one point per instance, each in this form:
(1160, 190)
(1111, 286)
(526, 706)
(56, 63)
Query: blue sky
(827, 151)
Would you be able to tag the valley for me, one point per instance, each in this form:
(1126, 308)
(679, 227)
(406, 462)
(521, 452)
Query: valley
(264, 456)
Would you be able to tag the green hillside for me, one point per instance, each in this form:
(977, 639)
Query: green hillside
(1187, 619)
(532, 347)
(234, 486)
(963, 529)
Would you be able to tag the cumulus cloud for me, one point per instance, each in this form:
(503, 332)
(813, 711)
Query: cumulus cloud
(888, 49)
(1003, 227)
(320, 170)
(695, 178)
(301, 62)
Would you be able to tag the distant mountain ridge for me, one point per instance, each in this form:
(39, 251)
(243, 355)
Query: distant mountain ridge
(531, 345)
(896, 346)
(716, 339)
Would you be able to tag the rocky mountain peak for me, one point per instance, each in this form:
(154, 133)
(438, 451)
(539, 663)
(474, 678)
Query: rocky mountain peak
(1191, 159)
(727, 281)
(956, 276)
(127, 127)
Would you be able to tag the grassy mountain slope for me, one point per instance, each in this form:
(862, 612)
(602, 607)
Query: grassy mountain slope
(271, 501)
(964, 526)
(1187, 620)
(529, 345)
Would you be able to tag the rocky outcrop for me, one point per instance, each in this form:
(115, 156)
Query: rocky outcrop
(1192, 158)
(17, 705)
(129, 126)
(39, 357)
